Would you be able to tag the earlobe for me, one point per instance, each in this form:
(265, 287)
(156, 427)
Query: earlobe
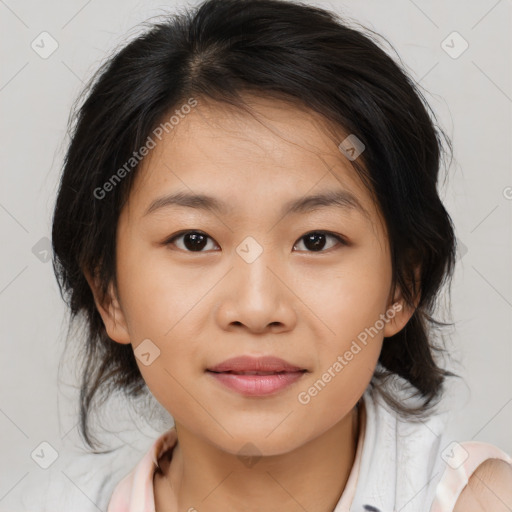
(399, 312)
(398, 315)
(110, 311)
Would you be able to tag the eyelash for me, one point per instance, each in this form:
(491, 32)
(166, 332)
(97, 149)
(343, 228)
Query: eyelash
(339, 238)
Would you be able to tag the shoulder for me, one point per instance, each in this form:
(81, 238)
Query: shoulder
(488, 488)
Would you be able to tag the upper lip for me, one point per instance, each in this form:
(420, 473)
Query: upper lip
(255, 364)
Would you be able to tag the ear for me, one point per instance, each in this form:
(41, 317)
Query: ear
(398, 312)
(110, 311)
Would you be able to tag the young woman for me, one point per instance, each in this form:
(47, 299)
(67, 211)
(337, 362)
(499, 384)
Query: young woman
(249, 222)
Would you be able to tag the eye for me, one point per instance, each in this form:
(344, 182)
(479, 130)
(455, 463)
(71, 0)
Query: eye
(315, 241)
(196, 241)
(193, 241)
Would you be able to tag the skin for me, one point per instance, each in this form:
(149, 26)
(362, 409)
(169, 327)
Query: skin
(200, 308)
(489, 488)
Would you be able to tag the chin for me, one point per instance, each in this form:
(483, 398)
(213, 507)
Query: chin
(260, 442)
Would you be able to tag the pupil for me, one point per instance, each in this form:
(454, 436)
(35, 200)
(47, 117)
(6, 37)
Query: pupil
(315, 241)
(196, 241)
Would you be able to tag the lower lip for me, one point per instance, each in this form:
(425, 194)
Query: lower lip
(257, 385)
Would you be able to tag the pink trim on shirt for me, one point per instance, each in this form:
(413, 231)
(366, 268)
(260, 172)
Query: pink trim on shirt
(135, 492)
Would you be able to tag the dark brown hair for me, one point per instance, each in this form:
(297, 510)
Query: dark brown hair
(275, 49)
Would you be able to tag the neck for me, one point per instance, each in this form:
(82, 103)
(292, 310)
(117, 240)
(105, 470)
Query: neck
(311, 477)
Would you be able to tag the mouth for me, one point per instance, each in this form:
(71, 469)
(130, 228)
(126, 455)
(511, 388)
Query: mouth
(255, 376)
(256, 383)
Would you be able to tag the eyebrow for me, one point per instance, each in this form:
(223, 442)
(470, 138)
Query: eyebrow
(342, 199)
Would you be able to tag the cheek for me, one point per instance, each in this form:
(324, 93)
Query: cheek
(349, 301)
(155, 295)
(350, 297)
(348, 343)
(161, 304)
(331, 393)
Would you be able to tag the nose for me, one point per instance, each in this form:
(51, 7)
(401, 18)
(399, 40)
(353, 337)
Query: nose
(257, 298)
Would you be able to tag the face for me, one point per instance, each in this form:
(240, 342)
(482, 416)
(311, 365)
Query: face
(197, 285)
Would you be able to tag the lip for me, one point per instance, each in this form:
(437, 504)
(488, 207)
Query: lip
(255, 364)
(275, 374)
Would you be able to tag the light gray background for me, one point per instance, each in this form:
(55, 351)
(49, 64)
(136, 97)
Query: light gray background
(472, 96)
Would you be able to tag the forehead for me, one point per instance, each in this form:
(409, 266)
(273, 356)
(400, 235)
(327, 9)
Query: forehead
(278, 154)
